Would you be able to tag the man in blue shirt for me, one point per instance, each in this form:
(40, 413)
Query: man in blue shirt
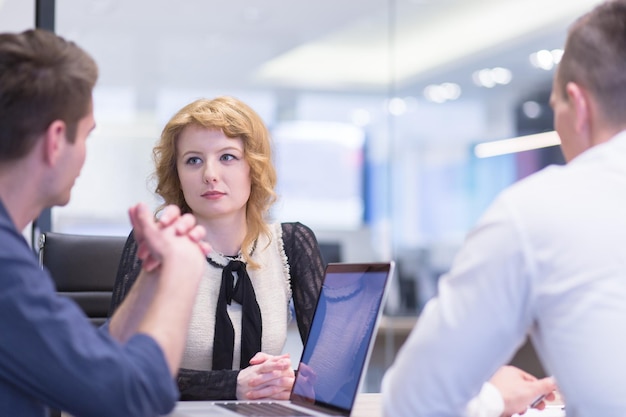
(50, 354)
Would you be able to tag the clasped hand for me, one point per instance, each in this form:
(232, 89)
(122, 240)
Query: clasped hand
(157, 239)
(267, 377)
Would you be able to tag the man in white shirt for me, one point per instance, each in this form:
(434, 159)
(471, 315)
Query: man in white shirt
(548, 258)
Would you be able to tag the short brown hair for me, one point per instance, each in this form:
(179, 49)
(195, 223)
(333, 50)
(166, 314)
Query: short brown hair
(43, 78)
(595, 58)
(236, 120)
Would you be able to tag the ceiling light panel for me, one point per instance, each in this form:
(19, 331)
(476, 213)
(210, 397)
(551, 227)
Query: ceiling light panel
(359, 54)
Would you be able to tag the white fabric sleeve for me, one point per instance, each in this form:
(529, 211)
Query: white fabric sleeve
(488, 403)
(475, 325)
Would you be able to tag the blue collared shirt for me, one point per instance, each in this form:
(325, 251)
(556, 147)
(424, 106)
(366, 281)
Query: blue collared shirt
(52, 356)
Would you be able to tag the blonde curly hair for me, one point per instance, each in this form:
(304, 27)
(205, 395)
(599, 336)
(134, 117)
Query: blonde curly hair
(236, 120)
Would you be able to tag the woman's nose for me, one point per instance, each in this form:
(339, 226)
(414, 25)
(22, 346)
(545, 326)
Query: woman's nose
(210, 174)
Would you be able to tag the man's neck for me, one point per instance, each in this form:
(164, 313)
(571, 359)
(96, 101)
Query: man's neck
(606, 133)
(19, 194)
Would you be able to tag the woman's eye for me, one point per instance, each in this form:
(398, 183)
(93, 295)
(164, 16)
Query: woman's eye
(228, 157)
(194, 160)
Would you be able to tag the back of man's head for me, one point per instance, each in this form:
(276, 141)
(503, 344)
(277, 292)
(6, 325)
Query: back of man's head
(43, 78)
(595, 58)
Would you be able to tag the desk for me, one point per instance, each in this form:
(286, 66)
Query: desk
(367, 405)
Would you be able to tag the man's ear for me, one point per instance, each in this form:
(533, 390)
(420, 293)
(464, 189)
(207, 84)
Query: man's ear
(579, 99)
(54, 141)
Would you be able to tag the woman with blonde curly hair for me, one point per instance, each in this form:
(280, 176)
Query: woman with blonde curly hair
(214, 160)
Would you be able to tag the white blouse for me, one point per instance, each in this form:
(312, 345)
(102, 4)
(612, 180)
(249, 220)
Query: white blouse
(273, 293)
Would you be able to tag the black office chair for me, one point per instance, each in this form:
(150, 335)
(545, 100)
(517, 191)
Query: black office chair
(83, 269)
(331, 252)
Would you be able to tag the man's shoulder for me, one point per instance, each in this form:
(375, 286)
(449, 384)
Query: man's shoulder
(12, 243)
(536, 183)
(534, 196)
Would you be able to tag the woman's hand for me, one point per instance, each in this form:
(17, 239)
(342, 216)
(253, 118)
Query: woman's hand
(267, 377)
(306, 381)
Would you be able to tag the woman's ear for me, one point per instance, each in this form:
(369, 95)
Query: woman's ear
(54, 140)
(579, 99)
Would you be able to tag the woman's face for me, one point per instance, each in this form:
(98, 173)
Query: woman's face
(213, 173)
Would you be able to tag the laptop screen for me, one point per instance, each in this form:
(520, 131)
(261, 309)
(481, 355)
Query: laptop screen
(335, 354)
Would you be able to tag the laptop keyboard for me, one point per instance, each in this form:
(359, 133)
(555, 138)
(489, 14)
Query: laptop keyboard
(263, 410)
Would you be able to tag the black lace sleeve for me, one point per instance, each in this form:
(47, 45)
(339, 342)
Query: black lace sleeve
(127, 273)
(306, 268)
(207, 385)
(193, 384)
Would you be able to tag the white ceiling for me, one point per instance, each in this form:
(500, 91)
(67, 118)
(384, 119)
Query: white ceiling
(383, 46)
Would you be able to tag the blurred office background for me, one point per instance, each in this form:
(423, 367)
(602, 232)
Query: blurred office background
(376, 107)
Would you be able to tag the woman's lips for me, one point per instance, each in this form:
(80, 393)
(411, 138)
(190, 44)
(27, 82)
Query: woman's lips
(213, 195)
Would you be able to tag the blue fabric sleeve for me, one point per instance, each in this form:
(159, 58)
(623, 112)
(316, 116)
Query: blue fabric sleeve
(50, 354)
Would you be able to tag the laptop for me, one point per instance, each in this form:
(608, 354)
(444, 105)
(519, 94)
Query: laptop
(335, 355)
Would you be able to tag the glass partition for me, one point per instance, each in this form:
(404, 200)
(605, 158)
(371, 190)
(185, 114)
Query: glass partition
(16, 15)
(375, 107)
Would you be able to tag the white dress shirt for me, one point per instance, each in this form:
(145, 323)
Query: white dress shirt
(547, 259)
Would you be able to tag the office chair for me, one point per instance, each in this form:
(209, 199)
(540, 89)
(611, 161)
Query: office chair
(83, 269)
(331, 252)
